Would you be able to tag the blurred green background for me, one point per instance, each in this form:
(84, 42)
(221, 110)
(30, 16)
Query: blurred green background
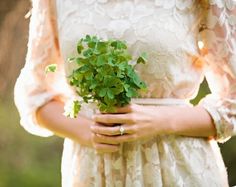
(27, 160)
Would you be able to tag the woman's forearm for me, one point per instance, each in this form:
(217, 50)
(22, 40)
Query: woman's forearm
(189, 121)
(140, 122)
(51, 116)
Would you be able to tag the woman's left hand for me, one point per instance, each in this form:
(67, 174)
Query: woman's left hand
(137, 121)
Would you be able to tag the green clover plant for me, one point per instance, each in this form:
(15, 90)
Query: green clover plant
(104, 74)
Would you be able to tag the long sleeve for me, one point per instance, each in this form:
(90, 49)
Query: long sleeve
(219, 38)
(33, 87)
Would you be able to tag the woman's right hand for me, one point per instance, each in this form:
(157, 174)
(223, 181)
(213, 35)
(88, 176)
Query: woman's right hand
(103, 148)
(50, 116)
(93, 140)
(88, 138)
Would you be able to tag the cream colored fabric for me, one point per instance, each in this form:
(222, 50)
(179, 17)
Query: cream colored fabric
(169, 32)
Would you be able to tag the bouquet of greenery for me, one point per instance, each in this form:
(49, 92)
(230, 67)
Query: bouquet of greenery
(104, 74)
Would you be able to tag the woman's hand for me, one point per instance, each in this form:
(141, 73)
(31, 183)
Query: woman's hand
(89, 139)
(138, 122)
(78, 129)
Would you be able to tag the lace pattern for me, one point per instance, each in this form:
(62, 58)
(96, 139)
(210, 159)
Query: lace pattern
(220, 41)
(135, 22)
(166, 31)
(33, 88)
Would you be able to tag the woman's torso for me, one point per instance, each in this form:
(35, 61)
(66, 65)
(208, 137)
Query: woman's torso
(168, 33)
(165, 30)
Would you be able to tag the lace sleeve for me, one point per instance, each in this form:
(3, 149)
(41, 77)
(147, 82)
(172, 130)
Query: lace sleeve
(219, 38)
(33, 88)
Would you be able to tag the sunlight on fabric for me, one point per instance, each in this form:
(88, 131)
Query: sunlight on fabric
(200, 45)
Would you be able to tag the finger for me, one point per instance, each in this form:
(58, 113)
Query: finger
(112, 131)
(116, 140)
(98, 138)
(121, 110)
(125, 109)
(114, 118)
(105, 130)
(105, 148)
(106, 124)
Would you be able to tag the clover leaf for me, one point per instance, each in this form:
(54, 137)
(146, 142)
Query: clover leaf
(103, 74)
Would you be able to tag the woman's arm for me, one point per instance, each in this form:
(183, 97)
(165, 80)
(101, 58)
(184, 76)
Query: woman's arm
(50, 116)
(38, 96)
(215, 116)
(189, 121)
(145, 121)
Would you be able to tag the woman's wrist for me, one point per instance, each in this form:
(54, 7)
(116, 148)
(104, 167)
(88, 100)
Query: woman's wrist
(164, 120)
(83, 131)
(186, 120)
(50, 116)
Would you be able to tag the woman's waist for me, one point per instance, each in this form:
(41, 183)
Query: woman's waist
(160, 101)
(142, 101)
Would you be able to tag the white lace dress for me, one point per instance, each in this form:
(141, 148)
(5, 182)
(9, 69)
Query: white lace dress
(169, 32)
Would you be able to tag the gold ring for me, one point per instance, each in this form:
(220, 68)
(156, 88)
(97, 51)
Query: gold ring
(122, 130)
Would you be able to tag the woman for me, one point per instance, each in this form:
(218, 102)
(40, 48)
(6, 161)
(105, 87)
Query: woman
(162, 139)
